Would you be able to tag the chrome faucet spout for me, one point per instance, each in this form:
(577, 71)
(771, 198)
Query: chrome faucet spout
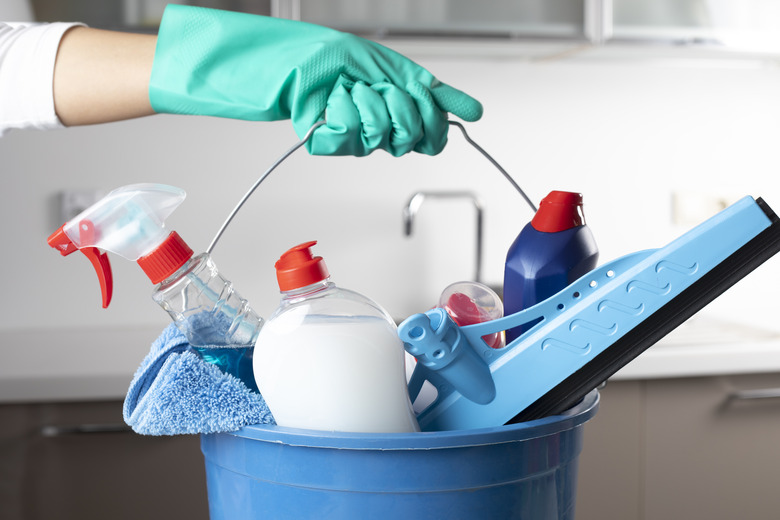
(410, 211)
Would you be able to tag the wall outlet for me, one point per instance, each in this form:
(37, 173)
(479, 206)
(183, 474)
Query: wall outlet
(72, 202)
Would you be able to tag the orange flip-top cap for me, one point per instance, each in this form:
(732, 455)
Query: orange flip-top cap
(297, 268)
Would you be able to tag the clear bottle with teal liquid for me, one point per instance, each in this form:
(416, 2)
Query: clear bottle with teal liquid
(218, 323)
(551, 251)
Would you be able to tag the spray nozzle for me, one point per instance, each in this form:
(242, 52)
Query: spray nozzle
(129, 221)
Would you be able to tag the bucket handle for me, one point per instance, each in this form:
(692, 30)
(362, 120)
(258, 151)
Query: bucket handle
(308, 135)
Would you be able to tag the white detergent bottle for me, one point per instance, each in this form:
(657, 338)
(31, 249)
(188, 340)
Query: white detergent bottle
(329, 358)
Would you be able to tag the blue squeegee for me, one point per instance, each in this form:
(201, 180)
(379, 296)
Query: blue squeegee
(586, 332)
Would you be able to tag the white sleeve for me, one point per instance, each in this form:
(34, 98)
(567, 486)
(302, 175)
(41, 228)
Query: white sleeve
(27, 55)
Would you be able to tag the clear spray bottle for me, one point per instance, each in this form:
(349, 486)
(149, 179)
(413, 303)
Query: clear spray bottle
(130, 222)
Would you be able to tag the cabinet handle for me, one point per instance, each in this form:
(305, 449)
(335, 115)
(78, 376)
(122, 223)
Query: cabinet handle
(752, 395)
(80, 429)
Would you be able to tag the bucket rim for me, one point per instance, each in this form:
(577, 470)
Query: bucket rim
(568, 420)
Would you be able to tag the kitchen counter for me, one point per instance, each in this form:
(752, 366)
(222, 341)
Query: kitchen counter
(46, 365)
(99, 363)
(706, 346)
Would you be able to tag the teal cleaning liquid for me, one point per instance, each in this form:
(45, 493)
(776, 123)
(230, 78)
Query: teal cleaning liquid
(231, 360)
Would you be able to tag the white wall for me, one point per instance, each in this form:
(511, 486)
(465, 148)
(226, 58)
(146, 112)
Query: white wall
(626, 133)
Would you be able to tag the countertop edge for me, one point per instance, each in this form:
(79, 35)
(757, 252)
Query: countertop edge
(98, 364)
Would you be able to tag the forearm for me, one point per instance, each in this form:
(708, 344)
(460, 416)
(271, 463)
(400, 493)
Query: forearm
(102, 76)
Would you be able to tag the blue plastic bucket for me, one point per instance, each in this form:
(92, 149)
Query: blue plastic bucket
(520, 471)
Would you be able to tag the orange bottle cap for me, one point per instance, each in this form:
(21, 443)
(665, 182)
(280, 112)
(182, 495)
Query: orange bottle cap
(166, 259)
(298, 268)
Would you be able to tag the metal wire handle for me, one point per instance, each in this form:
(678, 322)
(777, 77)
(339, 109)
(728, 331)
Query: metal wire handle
(308, 135)
(257, 183)
(494, 163)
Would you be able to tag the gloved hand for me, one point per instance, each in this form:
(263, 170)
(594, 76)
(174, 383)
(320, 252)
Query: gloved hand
(242, 66)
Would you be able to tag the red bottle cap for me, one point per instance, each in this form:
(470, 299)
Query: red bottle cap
(298, 268)
(559, 211)
(166, 259)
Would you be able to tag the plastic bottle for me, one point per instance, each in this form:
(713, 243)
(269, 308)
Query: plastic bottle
(129, 221)
(329, 358)
(551, 251)
(469, 303)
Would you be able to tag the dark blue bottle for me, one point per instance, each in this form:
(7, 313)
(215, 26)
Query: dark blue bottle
(551, 251)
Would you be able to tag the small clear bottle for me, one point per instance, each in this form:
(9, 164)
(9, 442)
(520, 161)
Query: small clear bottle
(218, 323)
(329, 358)
(469, 303)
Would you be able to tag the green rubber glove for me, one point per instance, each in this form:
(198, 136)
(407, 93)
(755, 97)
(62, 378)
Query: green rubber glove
(243, 66)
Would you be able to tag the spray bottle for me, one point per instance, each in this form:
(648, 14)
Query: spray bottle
(219, 324)
(551, 251)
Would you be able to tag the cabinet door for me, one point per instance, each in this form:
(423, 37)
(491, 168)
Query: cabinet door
(610, 472)
(130, 14)
(558, 18)
(74, 461)
(740, 25)
(712, 452)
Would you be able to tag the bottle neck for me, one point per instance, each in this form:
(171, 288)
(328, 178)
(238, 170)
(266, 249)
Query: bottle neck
(308, 290)
(189, 266)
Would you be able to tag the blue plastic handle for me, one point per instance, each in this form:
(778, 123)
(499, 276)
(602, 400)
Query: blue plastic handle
(435, 340)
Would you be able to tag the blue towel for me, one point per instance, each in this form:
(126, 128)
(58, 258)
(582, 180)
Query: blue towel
(174, 391)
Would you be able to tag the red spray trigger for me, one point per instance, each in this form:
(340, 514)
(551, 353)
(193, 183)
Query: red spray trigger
(102, 267)
(99, 260)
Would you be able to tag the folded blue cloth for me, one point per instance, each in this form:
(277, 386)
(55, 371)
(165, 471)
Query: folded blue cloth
(174, 391)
